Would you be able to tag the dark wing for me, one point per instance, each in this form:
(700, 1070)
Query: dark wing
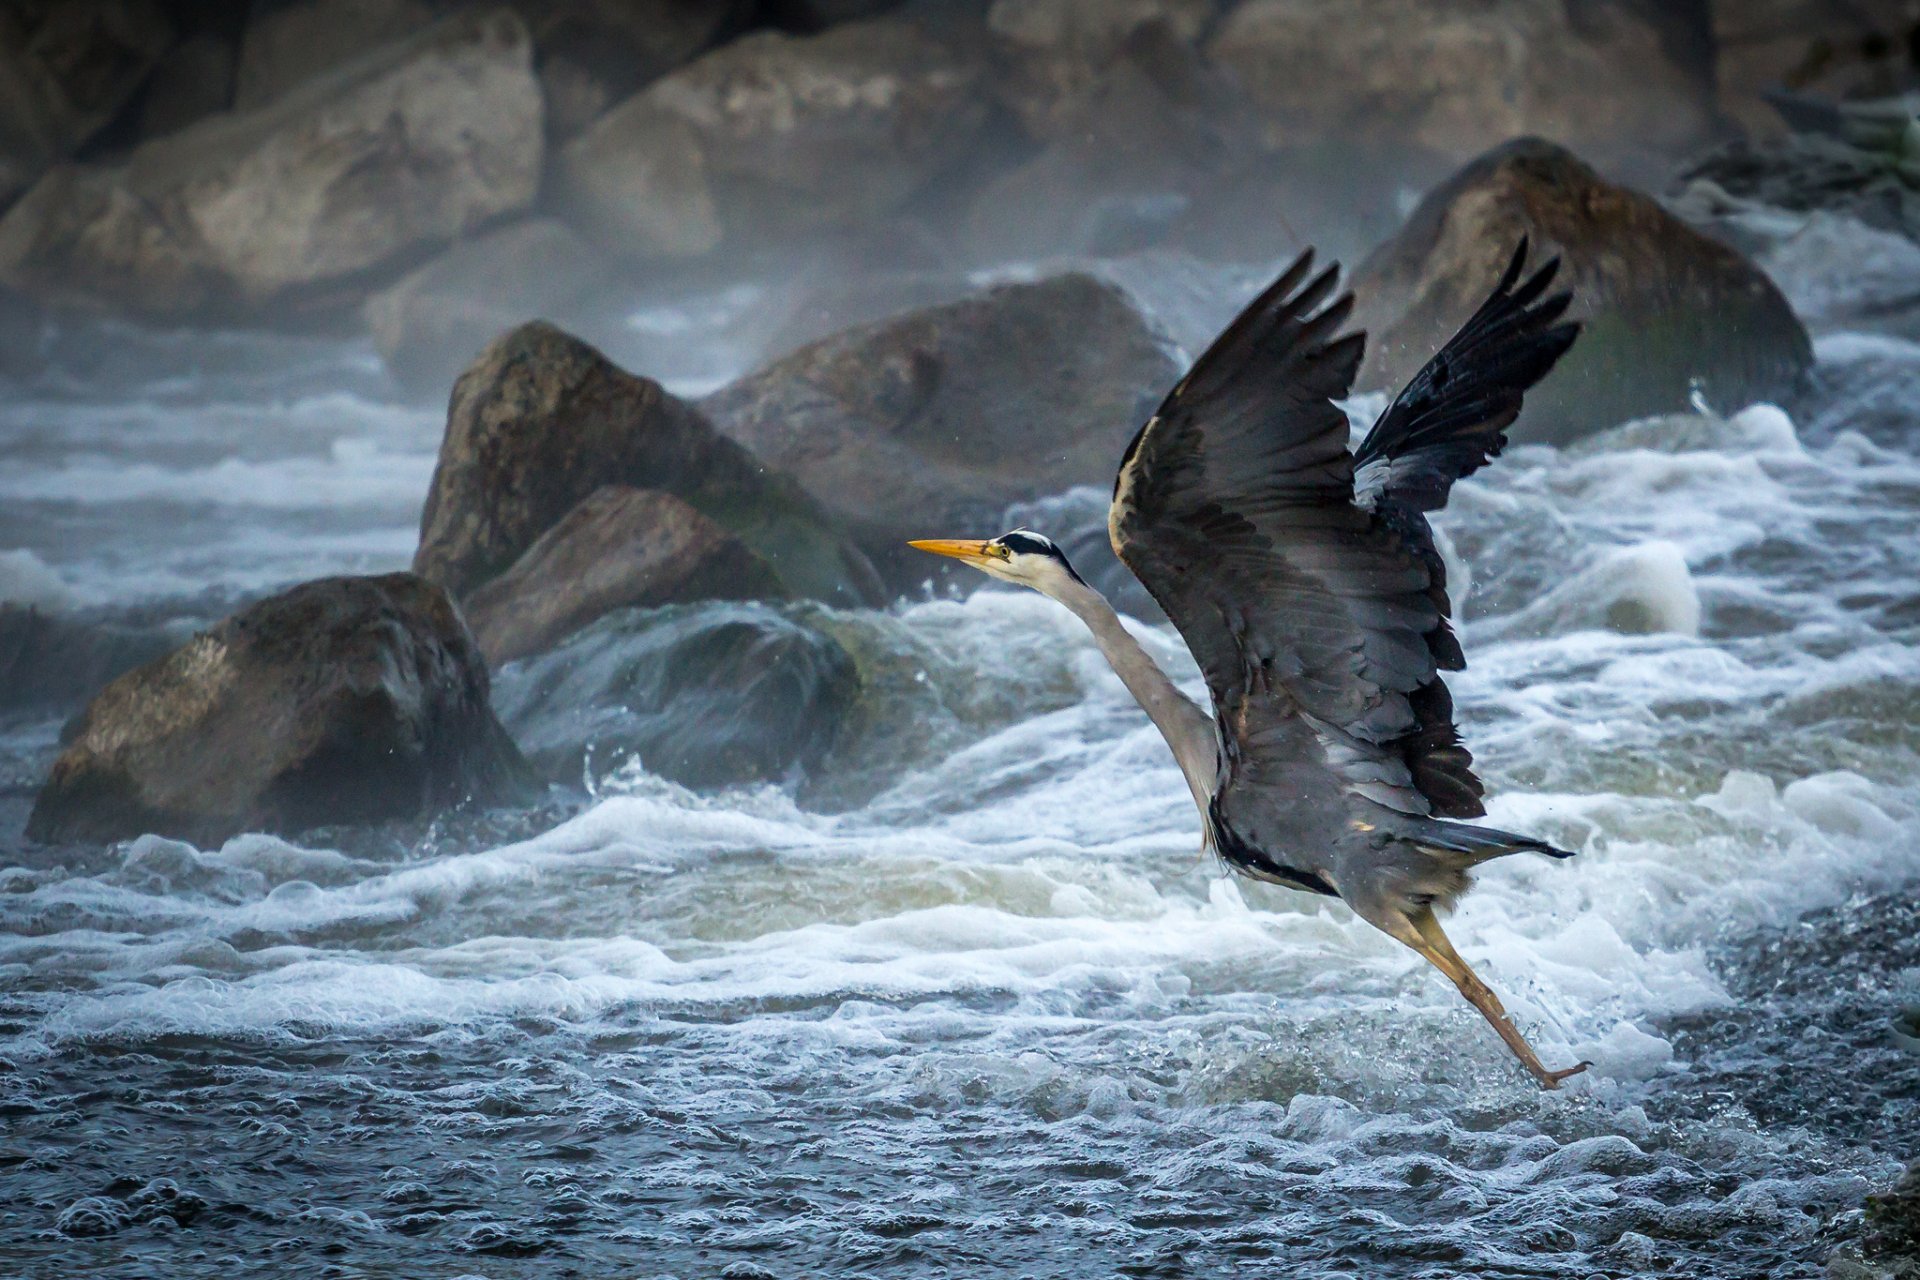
(1234, 507)
(1448, 422)
(1308, 613)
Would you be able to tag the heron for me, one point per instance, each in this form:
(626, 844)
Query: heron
(1307, 584)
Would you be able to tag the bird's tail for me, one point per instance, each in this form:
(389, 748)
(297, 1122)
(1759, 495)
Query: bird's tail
(1474, 845)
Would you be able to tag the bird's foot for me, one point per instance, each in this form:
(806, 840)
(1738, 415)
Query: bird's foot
(1552, 1079)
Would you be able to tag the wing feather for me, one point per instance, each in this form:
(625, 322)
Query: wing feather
(1308, 591)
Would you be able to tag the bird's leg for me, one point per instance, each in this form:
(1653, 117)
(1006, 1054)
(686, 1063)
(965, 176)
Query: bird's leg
(1425, 936)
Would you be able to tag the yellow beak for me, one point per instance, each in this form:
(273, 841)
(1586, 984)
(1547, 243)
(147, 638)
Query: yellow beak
(972, 552)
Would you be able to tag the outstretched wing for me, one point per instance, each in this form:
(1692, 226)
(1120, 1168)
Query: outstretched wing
(1447, 423)
(1313, 617)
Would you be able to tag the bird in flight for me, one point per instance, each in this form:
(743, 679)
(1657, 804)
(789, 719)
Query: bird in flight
(1306, 582)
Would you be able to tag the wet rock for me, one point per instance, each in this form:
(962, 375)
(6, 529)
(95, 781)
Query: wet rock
(341, 700)
(65, 71)
(1667, 311)
(1859, 49)
(414, 145)
(287, 45)
(1892, 1234)
(928, 424)
(620, 548)
(772, 137)
(1618, 81)
(596, 53)
(1058, 51)
(1867, 167)
(432, 322)
(1152, 143)
(51, 662)
(541, 420)
(706, 695)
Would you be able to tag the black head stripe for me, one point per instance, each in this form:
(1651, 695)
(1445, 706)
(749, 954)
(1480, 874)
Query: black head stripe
(1023, 542)
(1020, 542)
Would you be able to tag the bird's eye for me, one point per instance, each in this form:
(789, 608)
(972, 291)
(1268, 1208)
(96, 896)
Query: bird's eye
(1000, 550)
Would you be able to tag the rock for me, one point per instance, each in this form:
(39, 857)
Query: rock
(706, 695)
(195, 80)
(52, 662)
(413, 146)
(1618, 81)
(774, 136)
(287, 45)
(1892, 1232)
(620, 548)
(1667, 311)
(928, 424)
(1850, 171)
(1057, 51)
(1859, 49)
(596, 53)
(341, 700)
(432, 322)
(66, 70)
(542, 420)
(1151, 143)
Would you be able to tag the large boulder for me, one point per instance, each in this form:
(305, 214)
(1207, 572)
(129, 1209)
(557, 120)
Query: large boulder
(541, 420)
(1450, 78)
(774, 136)
(432, 322)
(408, 147)
(620, 548)
(65, 71)
(706, 695)
(341, 700)
(929, 423)
(1668, 312)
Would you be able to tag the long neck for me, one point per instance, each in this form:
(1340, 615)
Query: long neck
(1187, 729)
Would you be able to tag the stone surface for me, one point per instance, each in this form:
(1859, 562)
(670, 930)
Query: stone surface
(1861, 48)
(66, 70)
(286, 45)
(772, 136)
(342, 700)
(1453, 77)
(432, 322)
(1141, 149)
(1057, 51)
(416, 145)
(541, 420)
(597, 53)
(620, 548)
(1667, 311)
(932, 422)
(706, 695)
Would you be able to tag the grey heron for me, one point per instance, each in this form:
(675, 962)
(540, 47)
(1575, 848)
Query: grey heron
(1306, 582)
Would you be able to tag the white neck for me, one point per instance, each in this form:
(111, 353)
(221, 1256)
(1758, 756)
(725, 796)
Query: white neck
(1187, 729)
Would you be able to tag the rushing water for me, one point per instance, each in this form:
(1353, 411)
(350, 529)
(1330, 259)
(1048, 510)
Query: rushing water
(994, 1015)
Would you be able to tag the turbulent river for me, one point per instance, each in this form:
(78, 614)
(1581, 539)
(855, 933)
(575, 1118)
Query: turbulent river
(995, 1015)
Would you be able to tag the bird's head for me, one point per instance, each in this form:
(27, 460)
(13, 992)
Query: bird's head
(1022, 556)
